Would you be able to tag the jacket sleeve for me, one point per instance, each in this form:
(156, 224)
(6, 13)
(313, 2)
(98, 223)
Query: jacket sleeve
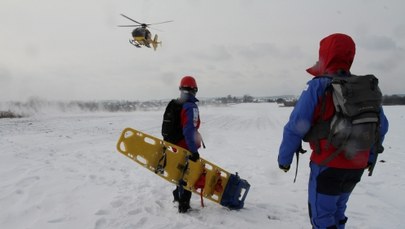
(383, 125)
(300, 119)
(189, 120)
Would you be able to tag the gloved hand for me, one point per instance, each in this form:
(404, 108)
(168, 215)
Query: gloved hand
(194, 156)
(285, 168)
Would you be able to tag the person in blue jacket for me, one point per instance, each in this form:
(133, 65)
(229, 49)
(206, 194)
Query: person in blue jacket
(190, 137)
(330, 184)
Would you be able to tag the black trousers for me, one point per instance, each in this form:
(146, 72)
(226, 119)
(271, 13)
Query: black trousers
(183, 198)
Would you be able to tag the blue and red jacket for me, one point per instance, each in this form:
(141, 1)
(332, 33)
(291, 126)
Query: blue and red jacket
(334, 55)
(190, 122)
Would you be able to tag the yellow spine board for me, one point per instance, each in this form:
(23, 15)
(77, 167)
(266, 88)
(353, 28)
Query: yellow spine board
(147, 150)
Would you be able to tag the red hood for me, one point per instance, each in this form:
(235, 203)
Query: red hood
(336, 52)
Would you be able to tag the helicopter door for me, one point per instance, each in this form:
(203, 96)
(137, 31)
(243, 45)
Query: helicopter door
(138, 32)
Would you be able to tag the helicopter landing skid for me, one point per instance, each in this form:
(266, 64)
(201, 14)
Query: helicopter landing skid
(134, 43)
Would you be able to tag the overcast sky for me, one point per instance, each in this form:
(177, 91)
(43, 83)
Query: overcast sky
(73, 50)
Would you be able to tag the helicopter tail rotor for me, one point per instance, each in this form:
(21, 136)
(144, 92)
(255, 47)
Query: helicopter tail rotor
(155, 42)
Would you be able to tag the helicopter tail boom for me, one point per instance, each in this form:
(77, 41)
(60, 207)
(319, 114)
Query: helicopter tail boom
(155, 42)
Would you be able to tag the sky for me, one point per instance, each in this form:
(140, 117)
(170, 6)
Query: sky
(74, 50)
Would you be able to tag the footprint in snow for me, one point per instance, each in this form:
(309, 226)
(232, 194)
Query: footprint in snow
(116, 203)
(135, 212)
(100, 223)
(58, 220)
(102, 212)
(27, 181)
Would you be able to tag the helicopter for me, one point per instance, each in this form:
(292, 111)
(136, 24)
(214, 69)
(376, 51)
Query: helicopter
(141, 35)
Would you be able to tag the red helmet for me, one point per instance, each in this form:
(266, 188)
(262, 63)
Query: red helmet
(188, 82)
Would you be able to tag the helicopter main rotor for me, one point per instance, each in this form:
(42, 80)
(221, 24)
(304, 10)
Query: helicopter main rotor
(143, 25)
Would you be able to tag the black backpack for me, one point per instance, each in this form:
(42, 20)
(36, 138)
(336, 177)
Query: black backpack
(172, 130)
(355, 125)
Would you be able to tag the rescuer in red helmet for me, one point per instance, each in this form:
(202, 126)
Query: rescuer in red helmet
(181, 121)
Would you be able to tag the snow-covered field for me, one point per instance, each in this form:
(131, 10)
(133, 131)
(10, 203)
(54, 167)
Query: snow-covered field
(63, 171)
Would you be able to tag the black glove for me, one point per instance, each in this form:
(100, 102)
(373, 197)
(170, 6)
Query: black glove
(285, 168)
(194, 156)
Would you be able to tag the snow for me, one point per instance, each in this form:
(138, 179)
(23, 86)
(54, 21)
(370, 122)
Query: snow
(62, 170)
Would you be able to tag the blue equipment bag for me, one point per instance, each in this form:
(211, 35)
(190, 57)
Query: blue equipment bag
(235, 192)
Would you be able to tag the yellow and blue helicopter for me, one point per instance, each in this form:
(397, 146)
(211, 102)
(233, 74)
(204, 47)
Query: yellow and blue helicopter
(141, 35)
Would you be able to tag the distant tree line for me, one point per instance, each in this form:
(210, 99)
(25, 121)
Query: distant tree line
(388, 100)
(9, 114)
(393, 100)
(234, 99)
(35, 105)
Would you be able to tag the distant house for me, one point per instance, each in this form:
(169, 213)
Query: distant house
(284, 102)
(290, 103)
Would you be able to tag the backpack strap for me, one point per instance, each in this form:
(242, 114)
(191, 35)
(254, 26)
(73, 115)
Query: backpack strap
(323, 126)
(200, 184)
(320, 129)
(335, 153)
(378, 148)
(297, 154)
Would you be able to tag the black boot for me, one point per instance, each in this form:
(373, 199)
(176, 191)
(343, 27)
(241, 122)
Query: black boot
(176, 195)
(184, 201)
(184, 207)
